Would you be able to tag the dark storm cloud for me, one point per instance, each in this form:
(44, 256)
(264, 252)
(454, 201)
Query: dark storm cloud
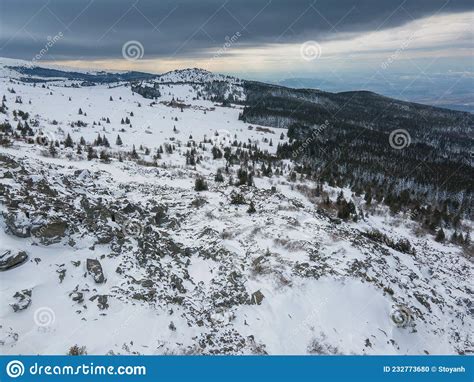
(98, 28)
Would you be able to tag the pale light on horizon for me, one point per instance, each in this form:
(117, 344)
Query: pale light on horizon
(439, 36)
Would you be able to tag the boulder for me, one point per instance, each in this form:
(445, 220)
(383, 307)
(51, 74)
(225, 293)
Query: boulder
(147, 283)
(18, 224)
(23, 300)
(52, 232)
(256, 298)
(129, 208)
(77, 297)
(9, 260)
(161, 214)
(102, 301)
(95, 270)
(104, 236)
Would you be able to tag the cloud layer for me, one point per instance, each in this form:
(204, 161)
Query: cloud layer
(97, 29)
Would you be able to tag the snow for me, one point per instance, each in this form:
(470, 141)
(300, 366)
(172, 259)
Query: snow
(325, 286)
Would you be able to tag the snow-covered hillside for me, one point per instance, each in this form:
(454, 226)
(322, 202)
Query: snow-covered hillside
(144, 232)
(195, 75)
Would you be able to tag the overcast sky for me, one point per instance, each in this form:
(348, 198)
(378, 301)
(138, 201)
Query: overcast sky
(258, 38)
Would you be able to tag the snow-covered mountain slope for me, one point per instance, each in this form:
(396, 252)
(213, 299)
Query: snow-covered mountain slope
(130, 253)
(195, 75)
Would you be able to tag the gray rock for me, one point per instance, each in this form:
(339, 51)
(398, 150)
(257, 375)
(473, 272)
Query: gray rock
(95, 270)
(23, 300)
(18, 224)
(9, 260)
(128, 209)
(147, 283)
(161, 214)
(52, 232)
(256, 298)
(105, 236)
(77, 297)
(102, 301)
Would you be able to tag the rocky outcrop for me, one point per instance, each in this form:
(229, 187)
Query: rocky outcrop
(95, 270)
(18, 224)
(51, 232)
(102, 301)
(9, 260)
(23, 300)
(256, 298)
(77, 297)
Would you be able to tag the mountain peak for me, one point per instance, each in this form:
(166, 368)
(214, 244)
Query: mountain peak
(196, 75)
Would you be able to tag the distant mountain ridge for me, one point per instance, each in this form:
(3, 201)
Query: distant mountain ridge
(450, 90)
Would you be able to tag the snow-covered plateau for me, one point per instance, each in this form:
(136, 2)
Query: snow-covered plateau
(133, 225)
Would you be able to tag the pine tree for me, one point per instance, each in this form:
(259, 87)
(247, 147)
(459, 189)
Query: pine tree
(368, 197)
(343, 212)
(440, 236)
(98, 141)
(68, 142)
(243, 176)
(250, 179)
(340, 198)
(351, 207)
(104, 156)
(219, 177)
(91, 154)
(454, 237)
(119, 142)
(216, 153)
(52, 150)
(134, 153)
(251, 208)
(80, 111)
(467, 239)
(200, 184)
